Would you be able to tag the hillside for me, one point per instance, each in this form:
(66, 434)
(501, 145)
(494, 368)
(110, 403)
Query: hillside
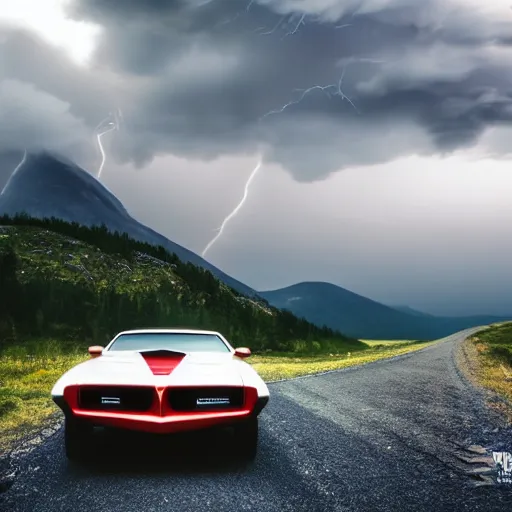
(65, 281)
(358, 316)
(48, 185)
(411, 311)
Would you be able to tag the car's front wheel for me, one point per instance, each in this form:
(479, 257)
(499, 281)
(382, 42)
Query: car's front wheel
(246, 439)
(77, 438)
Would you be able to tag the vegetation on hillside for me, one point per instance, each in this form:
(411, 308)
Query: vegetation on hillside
(65, 281)
(492, 361)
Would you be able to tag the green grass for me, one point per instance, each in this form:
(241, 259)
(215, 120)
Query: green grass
(373, 343)
(284, 366)
(29, 371)
(492, 356)
(27, 374)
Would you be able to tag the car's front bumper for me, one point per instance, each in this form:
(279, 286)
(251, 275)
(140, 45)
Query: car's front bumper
(167, 421)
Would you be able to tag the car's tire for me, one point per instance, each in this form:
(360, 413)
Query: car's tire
(246, 439)
(77, 438)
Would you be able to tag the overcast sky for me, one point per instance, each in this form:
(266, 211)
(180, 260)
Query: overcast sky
(390, 177)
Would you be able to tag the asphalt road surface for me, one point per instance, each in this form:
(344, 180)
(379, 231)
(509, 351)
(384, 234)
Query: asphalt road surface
(391, 435)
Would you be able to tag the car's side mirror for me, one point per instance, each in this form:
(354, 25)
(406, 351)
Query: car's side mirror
(95, 351)
(242, 352)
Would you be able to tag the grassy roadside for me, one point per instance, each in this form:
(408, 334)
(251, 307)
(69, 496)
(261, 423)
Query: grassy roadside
(285, 366)
(489, 354)
(28, 373)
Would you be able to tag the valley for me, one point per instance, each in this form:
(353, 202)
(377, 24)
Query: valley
(76, 268)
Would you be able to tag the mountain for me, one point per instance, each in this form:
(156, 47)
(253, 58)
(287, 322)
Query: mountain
(8, 162)
(411, 311)
(360, 317)
(79, 285)
(47, 185)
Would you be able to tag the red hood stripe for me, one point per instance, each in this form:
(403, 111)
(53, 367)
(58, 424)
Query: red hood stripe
(162, 364)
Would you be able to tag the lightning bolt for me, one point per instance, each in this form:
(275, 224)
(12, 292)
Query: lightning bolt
(235, 17)
(297, 26)
(330, 90)
(18, 167)
(236, 210)
(106, 128)
(290, 20)
(228, 20)
(277, 25)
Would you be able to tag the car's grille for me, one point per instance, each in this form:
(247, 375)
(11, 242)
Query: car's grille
(118, 398)
(205, 398)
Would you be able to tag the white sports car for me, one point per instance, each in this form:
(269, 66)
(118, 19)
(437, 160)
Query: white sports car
(162, 381)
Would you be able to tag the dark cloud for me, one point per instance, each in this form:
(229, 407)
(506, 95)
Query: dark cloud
(46, 102)
(202, 78)
(197, 79)
(33, 117)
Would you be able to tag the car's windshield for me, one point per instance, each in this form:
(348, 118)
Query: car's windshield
(182, 342)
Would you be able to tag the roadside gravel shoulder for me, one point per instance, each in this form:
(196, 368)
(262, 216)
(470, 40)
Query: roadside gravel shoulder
(499, 408)
(26, 443)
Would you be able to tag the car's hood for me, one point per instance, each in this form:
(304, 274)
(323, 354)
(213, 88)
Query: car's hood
(131, 368)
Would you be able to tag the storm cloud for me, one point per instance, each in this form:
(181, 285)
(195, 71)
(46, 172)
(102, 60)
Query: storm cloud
(46, 101)
(203, 78)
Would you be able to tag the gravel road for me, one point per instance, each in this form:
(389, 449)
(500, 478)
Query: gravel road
(391, 435)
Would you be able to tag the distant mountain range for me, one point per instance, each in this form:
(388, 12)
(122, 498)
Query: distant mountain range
(358, 316)
(51, 186)
(47, 185)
